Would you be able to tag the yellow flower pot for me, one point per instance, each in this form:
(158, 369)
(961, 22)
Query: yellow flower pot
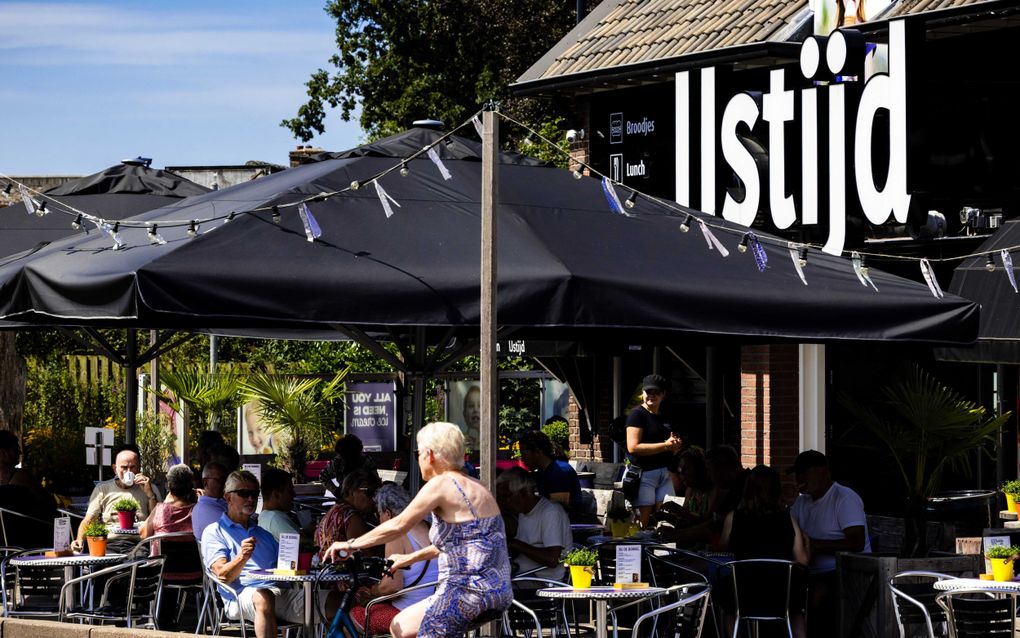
(580, 576)
(1011, 503)
(1002, 568)
(620, 529)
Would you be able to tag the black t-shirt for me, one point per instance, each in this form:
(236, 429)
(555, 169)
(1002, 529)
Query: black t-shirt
(655, 428)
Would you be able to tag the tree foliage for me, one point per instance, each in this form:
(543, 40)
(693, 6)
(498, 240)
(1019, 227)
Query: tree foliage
(402, 60)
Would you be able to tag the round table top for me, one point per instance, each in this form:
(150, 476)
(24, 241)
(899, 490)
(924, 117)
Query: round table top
(599, 593)
(65, 561)
(124, 531)
(268, 574)
(954, 584)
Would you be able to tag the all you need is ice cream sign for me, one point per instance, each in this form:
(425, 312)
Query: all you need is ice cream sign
(879, 198)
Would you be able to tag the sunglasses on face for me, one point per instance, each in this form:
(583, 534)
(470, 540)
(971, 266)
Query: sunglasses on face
(246, 493)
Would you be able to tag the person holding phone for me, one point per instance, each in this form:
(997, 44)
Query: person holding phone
(652, 445)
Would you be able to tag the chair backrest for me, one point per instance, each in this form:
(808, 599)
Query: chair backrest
(914, 600)
(762, 588)
(684, 618)
(147, 586)
(33, 586)
(672, 569)
(215, 604)
(183, 556)
(531, 615)
(979, 613)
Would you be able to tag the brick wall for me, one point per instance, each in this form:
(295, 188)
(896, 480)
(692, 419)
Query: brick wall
(769, 406)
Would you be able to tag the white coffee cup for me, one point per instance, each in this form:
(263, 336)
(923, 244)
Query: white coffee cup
(128, 478)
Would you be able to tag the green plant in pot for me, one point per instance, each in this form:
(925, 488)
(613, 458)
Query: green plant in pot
(126, 508)
(928, 428)
(1001, 557)
(1012, 491)
(581, 563)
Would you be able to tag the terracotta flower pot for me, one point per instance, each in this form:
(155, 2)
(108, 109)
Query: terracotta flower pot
(97, 545)
(126, 519)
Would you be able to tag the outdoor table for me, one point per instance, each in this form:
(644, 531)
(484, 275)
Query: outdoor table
(307, 582)
(601, 596)
(955, 584)
(124, 531)
(69, 563)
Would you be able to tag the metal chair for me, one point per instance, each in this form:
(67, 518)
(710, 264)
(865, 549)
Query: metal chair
(131, 593)
(529, 615)
(761, 589)
(183, 570)
(914, 602)
(30, 592)
(979, 613)
(684, 618)
(214, 609)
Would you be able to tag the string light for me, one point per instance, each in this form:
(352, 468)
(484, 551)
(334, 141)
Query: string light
(276, 214)
(632, 200)
(230, 217)
(193, 228)
(404, 170)
(118, 243)
(577, 172)
(76, 224)
(802, 256)
(7, 189)
(685, 225)
(154, 236)
(355, 185)
(864, 267)
(989, 263)
(40, 210)
(742, 248)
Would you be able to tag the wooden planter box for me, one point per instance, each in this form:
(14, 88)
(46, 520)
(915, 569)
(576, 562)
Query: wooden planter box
(865, 603)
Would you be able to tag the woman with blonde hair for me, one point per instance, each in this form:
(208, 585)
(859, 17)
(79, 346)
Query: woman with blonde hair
(467, 537)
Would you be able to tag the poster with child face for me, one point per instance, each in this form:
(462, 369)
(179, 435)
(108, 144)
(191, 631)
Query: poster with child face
(464, 409)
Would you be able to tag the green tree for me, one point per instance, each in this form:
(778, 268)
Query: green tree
(407, 59)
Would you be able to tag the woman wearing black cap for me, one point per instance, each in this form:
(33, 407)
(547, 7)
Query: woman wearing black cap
(652, 445)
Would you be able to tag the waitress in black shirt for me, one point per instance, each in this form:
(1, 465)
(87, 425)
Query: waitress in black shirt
(652, 446)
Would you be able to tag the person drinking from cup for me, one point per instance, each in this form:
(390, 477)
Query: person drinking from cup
(128, 481)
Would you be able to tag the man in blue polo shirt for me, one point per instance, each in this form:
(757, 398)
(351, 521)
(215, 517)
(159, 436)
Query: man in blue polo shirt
(235, 546)
(556, 480)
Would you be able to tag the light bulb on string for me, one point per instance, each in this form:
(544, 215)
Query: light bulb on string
(154, 236)
(40, 210)
(989, 263)
(118, 243)
(742, 247)
(7, 189)
(76, 224)
(355, 185)
(685, 225)
(230, 217)
(404, 170)
(632, 200)
(802, 256)
(193, 228)
(577, 172)
(276, 214)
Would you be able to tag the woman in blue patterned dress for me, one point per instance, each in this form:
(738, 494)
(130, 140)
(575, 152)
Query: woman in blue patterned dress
(467, 537)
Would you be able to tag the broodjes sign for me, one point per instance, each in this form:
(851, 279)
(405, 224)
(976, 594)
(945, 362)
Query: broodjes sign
(880, 197)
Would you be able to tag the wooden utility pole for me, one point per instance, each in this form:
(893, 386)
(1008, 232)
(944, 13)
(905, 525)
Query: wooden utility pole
(487, 347)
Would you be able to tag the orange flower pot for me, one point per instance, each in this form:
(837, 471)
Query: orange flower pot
(97, 546)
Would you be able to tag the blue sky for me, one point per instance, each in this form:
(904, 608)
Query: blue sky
(86, 84)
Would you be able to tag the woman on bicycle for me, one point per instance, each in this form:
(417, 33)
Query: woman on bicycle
(467, 537)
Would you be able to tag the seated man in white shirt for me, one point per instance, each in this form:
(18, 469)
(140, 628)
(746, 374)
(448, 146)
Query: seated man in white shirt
(543, 528)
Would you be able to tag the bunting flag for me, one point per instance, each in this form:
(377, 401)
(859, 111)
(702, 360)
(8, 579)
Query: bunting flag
(795, 258)
(761, 258)
(712, 240)
(932, 281)
(434, 156)
(27, 200)
(1007, 265)
(862, 273)
(478, 125)
(312, 230)
(385, 199)
(614, 200)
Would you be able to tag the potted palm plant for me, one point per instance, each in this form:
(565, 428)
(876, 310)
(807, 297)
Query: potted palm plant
(96, 533)
(126, 508)
(296, 406)
(581, 563)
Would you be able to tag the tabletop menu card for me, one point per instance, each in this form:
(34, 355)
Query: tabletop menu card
(61, 537)
(287, 559)
(628, 563)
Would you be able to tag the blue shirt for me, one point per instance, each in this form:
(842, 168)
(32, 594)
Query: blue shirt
(223, 540)
(559, 476)
(206, 512)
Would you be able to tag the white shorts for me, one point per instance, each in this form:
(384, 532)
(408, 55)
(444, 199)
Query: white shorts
(656, 485)
(290, 604)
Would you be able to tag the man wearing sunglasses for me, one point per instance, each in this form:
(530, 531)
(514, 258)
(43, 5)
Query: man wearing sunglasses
(234, 547)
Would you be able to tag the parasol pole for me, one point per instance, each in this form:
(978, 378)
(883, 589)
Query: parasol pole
(487, 347)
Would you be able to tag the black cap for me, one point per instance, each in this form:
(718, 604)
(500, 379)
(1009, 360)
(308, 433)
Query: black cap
(808, 459)
(654, 382)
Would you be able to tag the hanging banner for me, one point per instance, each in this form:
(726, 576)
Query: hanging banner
(371, 415)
